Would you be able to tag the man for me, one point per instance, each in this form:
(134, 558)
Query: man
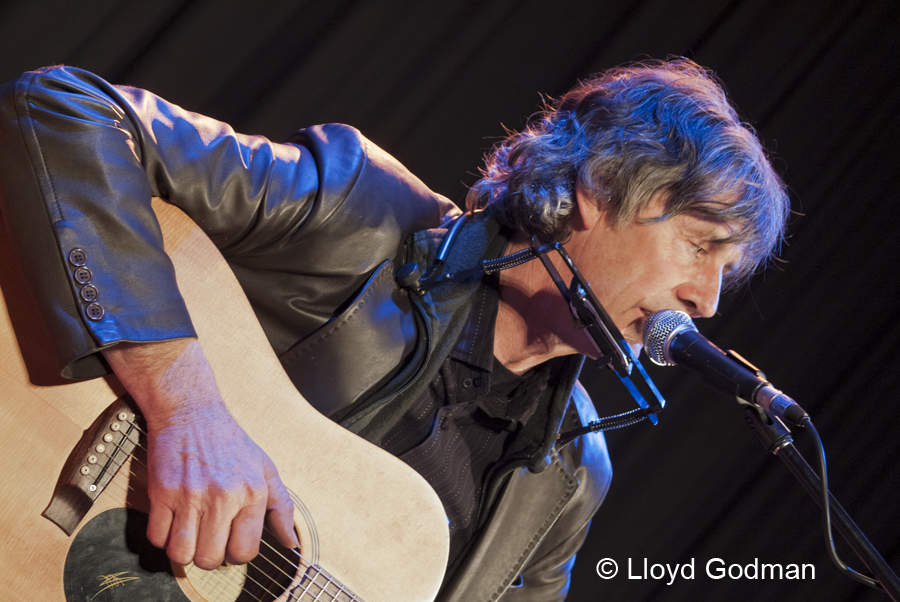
(660, 194)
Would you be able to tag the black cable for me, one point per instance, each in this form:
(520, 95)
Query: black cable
(826, 517)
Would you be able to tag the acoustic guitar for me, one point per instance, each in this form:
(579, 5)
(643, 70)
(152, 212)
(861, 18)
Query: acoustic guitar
(73, 483)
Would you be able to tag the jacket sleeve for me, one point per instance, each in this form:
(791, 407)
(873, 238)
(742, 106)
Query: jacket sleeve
(81, 160)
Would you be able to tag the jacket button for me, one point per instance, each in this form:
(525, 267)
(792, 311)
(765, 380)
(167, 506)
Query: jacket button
(94, 311)
(89, 293)
(77, 257)
(467, 383)
(83, 275)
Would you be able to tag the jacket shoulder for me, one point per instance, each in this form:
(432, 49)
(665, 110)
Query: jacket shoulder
(353, 170)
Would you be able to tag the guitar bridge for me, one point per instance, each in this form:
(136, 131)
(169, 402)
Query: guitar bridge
(105, 446)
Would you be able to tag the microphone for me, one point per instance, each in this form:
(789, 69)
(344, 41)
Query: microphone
(670, 338)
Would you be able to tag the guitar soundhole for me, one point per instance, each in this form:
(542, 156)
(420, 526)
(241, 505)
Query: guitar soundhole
(264, 579)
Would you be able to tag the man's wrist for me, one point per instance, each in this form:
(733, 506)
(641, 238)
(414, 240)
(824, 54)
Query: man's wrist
(169, 380)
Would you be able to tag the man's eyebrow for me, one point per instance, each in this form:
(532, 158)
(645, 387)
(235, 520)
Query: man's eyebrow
(733, 233)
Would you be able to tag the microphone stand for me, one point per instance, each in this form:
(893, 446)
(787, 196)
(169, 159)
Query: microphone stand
(776, 438)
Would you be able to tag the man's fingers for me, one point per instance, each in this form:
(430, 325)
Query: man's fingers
(282, 525)
(159, 524)
(246, 531)
(280, 507)
(183, 536)
(212, 537)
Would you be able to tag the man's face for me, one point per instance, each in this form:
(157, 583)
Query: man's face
(639, 267)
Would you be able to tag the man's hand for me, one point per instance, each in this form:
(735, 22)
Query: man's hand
(210, 484)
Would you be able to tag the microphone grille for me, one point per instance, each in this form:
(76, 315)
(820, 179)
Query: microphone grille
(658, 329)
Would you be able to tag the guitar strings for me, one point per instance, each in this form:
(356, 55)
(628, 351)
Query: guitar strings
(304, 568)
(222, 580)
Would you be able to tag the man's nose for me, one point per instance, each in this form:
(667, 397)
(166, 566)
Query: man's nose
(700, 294)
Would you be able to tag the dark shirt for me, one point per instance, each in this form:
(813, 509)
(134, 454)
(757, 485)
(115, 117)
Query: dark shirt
(457, 430)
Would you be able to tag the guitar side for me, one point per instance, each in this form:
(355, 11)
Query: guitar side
(379, 528)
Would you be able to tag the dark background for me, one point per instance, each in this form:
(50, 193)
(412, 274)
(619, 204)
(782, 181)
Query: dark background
(434, 84)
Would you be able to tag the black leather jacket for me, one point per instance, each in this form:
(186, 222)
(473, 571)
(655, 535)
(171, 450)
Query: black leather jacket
(305, 226)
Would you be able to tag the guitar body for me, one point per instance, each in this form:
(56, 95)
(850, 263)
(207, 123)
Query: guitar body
(370, 528)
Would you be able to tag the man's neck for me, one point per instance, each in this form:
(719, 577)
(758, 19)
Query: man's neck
(532, 317)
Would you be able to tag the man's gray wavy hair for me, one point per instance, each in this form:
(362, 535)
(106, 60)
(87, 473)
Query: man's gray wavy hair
(627, 134)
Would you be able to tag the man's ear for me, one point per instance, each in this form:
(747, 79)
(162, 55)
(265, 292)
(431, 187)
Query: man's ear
(588, 212)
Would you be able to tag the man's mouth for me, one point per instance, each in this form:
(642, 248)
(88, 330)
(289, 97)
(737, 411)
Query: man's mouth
(634, 335)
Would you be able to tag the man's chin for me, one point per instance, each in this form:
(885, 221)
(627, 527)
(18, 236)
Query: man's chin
(635, 347)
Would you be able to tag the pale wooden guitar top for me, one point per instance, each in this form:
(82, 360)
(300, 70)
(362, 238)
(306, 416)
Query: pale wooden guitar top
(364, 516)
